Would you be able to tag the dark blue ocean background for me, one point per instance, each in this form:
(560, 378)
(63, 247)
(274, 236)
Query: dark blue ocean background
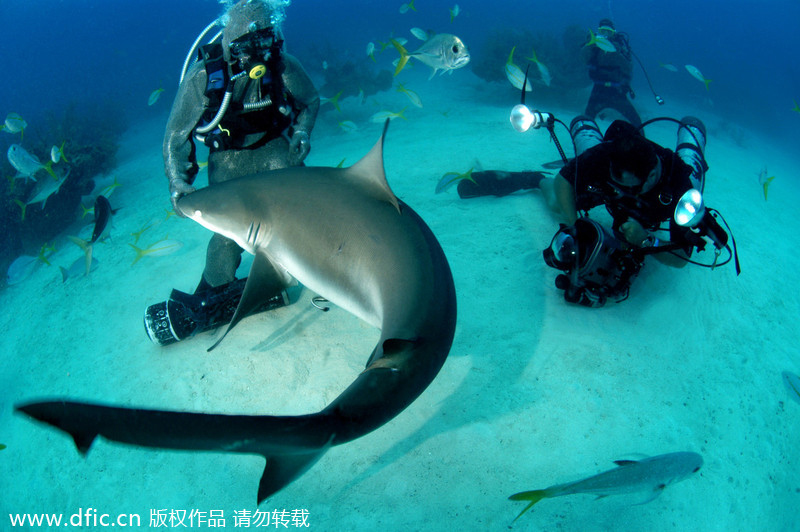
(55, 52)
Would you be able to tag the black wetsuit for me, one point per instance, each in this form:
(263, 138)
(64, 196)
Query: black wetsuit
(611, 73)
(593, 187)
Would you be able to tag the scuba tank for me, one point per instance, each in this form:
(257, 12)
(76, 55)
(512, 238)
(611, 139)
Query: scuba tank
(585, 133)
(691, 148)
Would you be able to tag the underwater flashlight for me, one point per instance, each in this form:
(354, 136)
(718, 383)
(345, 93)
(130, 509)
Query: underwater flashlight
(522, 118)
(690, 209)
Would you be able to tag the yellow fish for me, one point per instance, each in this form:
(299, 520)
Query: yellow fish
(601, 42)
(543, 70)
(405, 7)
(449, 178)
(381, 116)
(333, 101)
(154, 96)
(454, 11)
(413, 96)
(515, 74)
(765, 180)
(165, 246)
(696, 74)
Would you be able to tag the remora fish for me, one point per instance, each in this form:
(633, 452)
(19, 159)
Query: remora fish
(649, 476)
(443, 52)
(102, 216)
(375, 258)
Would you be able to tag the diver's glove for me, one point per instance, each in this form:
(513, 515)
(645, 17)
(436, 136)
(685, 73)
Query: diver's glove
(299, 146)
(178, 188)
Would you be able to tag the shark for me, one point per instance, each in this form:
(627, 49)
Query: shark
(343, 234)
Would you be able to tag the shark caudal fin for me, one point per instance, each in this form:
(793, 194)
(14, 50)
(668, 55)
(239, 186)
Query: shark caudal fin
(290, 444)
(533, 496)
(282, 469)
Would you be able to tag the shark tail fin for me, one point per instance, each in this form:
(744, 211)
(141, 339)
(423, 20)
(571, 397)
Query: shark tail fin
(50, 412)
(532, 496)
(283, 469)
(404, 56)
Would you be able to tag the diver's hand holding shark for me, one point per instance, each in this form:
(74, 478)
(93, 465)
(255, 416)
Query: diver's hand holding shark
(343, 234)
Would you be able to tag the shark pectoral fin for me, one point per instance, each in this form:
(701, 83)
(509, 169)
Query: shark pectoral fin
(263, 282)
(52, 413)
(281, 470)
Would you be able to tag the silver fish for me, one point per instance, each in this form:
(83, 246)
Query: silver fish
(46, 188)
(26, 164)
(443, 52)
(649, 476)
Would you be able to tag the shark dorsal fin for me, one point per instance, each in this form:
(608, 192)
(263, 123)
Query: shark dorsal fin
(369, 171)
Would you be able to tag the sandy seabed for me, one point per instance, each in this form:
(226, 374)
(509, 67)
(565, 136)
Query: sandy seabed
(535, 391)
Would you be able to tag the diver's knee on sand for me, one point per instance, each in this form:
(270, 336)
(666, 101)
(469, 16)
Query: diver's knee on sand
(222, 259)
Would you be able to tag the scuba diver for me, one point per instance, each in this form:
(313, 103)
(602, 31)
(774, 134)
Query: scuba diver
(652, 193)
(609, 58)
(254, 107)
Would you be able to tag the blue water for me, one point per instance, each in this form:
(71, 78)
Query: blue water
(535, 392)
(54, 52)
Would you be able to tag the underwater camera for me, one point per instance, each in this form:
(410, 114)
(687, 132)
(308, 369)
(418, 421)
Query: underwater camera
(596, 265)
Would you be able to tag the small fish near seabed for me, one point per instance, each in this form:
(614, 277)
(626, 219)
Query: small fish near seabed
(161, 248)
(102, 224)
(442, 52)
(45, 188)
(450, 178)
(649, 477)
(348, 126)
(792, 383)
(382, 116)
(26, 164)
(764, 179)
(413, 96)
(515, 74)
(695, 72)
(669, 66)
(371, 50)
(78, 269)
(22, 268)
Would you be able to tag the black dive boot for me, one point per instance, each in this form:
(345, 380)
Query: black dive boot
(497, 183)
(184, 315)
